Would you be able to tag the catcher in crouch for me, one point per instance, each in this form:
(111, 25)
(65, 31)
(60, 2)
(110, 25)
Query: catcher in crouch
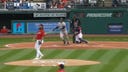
(79, 35)
(63, 31)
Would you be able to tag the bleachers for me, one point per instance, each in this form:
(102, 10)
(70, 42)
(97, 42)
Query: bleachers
(108, 3)
(71, 3)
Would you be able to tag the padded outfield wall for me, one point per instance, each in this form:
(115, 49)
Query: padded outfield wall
(93, 20)
(103, 21)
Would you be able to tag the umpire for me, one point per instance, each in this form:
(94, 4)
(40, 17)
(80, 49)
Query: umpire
(75, 22)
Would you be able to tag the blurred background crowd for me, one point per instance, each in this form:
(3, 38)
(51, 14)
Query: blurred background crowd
(43, 4)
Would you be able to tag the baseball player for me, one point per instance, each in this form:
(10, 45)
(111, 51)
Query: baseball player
(39, 40)
(63, 31)
(61, 68)
(79, 35)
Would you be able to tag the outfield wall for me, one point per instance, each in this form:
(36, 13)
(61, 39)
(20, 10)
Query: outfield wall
(103, 21)
(31, 26)
(93, 20)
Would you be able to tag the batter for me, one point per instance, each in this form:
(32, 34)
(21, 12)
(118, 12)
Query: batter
(63, 31)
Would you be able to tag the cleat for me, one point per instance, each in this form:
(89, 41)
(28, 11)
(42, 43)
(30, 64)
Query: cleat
(36, 58)
(64, 42)
(41, 56)
(68, 43)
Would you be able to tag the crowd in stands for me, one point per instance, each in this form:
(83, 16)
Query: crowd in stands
(117, 3)
(60, 3)
(26, 4)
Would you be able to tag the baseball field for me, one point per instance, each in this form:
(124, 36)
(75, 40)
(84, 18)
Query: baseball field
(109, 52)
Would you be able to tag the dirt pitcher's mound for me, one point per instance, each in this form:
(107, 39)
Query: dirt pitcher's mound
(60, 45)
(52, 62)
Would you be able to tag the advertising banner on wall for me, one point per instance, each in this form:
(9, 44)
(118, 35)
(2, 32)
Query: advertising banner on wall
(49, 14)
(32, 27)
(115, 28)
(18, 27)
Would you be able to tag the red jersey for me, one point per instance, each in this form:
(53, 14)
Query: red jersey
(61, 70)
(40, 34)
(64, 1)
(4, 31)
(60, 6)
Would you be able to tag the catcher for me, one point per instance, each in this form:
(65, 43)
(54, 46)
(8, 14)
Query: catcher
(79, 35)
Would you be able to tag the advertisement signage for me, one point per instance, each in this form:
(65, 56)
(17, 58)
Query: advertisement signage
(114, 14)
(115, 28)
(49, 14)
(18, 28)
(32, 27)
(99, 15)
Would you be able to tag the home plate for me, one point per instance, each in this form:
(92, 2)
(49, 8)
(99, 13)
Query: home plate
(52, 62)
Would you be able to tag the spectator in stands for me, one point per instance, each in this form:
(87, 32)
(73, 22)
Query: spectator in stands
(4, 30)
(48, 3)
(10, 4)
(54, 4)
(24, 4)
(68, 5)
(115, 3)
(72, 2)
(61, 4)
(103, 3)
(64, 2)
(4, 3)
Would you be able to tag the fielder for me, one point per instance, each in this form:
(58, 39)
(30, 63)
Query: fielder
(39, 40)
(63, 31)
(79, 35)
(61, 68)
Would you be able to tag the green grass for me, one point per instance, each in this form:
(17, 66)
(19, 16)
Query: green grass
(110, 60)
(113, 60)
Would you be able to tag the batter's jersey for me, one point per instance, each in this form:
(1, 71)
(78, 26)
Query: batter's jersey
(61, 25)
(40, 34)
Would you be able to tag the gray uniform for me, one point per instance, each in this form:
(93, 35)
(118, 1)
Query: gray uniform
(63, 30)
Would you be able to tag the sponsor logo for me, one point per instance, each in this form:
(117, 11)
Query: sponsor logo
(99, 15)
